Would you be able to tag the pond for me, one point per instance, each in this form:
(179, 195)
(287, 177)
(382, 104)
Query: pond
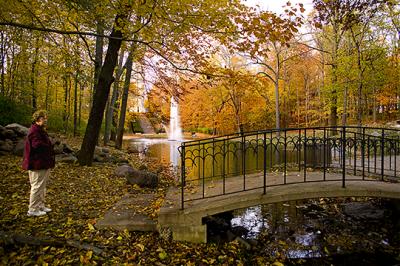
(351, 231)
(164, 150)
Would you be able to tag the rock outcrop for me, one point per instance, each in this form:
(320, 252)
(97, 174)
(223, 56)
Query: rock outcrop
(142, 178)
(12, 141)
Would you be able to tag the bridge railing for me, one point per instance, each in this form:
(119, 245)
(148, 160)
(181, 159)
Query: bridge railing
(259, 159)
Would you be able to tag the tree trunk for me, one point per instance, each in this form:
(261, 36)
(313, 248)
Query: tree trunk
(2, 63)
(65, 111)
(113, 134)
(333, 108)
(10, 238)
(102, 91)
(307, 107)
(277, 112)
(344, 116)
(333, 103)
(47, 93)
(360, 87)
(33, 76)
(374, 105)
(76, 102)
(276, 83)
(47, 96)
(120, 131)
(98, 60)
(298, 106)
(80, 104)
(114, 97)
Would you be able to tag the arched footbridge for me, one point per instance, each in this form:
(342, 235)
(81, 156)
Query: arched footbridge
(242, 170)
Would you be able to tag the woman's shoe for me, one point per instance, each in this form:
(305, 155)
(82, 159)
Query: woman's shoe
(45, 209)
(36, 213)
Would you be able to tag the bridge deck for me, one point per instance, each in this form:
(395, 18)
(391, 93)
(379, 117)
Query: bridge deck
(391, 165)
(197, 189)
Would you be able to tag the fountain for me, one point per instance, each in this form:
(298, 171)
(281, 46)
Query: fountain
(175, 130)
(165, 150)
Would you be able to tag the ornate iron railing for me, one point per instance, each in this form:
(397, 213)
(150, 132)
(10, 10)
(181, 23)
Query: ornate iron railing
(366, 152)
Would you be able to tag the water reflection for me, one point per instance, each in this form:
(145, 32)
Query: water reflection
(166, 151)
(174, 153)
(252, 219)
(322, 228)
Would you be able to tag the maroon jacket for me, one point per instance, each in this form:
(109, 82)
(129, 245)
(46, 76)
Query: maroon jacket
(39, 152)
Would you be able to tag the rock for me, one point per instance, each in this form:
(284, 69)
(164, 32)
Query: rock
(97, 158)
(18, 129)
(124, 170)
(143, 167)
(142, 178)
(363, 210)
(58, 149)
(6, 145)
(243, 242)
(19, 148)
(252, 242)
(2, 129)
(98, 150)
(119, 160)
(67, 149)
(66, 158)
(104, 158)
(230, 236)
(9, 134)
(52, 135)
(101, 150)
(55, 140)
(240, 230)
(133, 149)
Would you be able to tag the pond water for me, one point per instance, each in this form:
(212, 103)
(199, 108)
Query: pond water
(166, 151)
(211, 164)
(322, 232)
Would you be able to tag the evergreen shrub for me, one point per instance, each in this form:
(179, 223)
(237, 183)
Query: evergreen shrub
(12, 112)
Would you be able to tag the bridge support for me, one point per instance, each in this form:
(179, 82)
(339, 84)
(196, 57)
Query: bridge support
(190, 233)
(181, 225)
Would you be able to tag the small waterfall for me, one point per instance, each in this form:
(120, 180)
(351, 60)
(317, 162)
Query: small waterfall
(175, 130)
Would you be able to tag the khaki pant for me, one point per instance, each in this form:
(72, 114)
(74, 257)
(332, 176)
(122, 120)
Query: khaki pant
(38, 180)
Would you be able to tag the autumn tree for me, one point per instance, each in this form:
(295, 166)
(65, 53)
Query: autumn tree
(341, 17)
(265, 34)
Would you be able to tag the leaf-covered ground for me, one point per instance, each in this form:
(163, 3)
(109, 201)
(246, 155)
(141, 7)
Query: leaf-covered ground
(79, 196)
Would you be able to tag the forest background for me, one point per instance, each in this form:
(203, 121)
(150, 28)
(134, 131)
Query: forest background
(230, 66)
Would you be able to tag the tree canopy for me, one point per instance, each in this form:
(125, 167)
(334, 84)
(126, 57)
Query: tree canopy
(235, 67)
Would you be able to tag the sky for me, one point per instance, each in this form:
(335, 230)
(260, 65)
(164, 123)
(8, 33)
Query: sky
(276, 5)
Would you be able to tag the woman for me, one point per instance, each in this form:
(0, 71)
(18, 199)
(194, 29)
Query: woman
(38, 159)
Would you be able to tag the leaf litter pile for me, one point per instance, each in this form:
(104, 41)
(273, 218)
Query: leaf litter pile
(78, 197)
